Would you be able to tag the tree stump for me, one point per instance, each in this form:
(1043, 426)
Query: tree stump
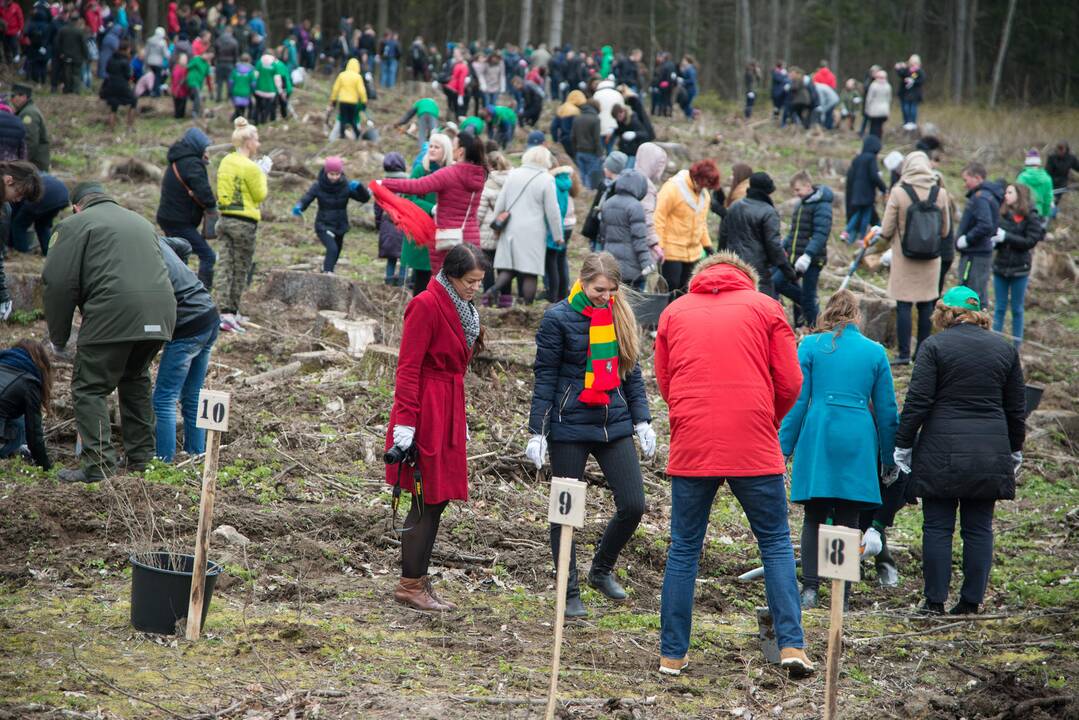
(131, 169)
(878, 319)
(1053, 265)
(318, 291)
(25, 290)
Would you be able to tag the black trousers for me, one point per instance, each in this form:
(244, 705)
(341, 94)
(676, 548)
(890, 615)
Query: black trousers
(201, 248)
(622, 471)
(677, 275)
(557, 277)
(892, 500)
(976, 529)
(817, 512)
(418, 540)
(904, 319)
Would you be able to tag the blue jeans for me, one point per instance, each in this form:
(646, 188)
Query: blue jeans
(1009, 291)
(490, 98)
(910, 111)
(389, 72)
(804, 297)
(858, 222)
(764, 501)
(180, 375)
(591, 169)
(15, 430)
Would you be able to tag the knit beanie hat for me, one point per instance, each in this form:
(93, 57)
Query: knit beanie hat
(333, 164)
(961, 297)
(762, 181)
(393, 162)
(1033, 158)
(615, 162)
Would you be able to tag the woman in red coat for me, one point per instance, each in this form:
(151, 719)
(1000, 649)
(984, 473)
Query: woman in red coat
(441, 333)
(459, 188)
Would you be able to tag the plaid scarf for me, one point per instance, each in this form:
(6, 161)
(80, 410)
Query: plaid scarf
(601, 367)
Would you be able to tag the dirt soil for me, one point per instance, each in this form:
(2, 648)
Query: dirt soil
(302, 623)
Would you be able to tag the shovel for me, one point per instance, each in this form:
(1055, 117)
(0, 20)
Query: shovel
(871, 237)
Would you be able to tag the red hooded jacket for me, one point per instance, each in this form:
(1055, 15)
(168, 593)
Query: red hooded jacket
(727, 365)
(824, 76)
(172, 24)
(13, 18)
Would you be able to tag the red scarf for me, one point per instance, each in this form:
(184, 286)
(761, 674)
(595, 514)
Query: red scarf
(406, 215)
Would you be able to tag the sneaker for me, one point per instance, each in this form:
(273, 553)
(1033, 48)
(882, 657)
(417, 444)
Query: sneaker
(901, 361)
(796, 662)
(810, 600)
(845, 236)
(673, 666)
(931, 608)
(73, 475)
(230, 324)
(963, 608)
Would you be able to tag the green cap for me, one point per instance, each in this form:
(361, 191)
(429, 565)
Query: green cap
(88, 187)
(962, 297)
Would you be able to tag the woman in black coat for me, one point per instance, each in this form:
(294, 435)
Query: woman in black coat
(25, 388)
(1019, 231)
(187, 198)
(116, 89)
(597, 414)
(333, 190)
(961, 438)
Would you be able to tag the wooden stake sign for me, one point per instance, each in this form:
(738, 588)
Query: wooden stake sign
(565, 508)
(840, 559)
(213, 416)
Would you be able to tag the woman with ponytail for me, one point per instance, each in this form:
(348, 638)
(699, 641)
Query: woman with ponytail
(589, 399)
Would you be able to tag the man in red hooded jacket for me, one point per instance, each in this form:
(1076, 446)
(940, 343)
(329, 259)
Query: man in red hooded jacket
(727, 365)
(12, 16)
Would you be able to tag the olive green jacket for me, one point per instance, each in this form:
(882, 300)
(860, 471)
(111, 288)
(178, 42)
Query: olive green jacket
(37, 136)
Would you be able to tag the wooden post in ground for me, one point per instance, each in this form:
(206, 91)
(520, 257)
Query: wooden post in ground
(839, 551)
(565, 508)
(213, 416)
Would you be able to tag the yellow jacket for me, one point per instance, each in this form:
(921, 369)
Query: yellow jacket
(348, 88)
(241, 186)
(572, 106)
(681, 219)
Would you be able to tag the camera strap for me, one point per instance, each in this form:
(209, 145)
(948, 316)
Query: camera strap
(417, 496)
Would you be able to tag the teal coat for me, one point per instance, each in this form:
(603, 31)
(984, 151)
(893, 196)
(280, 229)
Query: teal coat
(844, 420)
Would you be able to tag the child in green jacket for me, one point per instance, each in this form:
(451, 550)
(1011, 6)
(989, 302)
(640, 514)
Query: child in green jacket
(850, 103)
(242, 88)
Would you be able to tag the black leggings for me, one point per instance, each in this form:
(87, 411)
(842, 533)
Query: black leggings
(622, 471)
(349, 114)
(418, 540)
(489, 274)
(526, 284)
(333, 242)
(677, 275)
(265, 109)
(904, 319)
(420, 278)
(817, 512)
(557, 268)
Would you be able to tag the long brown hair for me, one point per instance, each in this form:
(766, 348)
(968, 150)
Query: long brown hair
(740, 172)
(39, 355)
(842, 310)
(604, 264)
(1022, 206)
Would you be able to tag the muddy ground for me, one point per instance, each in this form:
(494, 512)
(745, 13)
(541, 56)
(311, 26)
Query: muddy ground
(301, 623)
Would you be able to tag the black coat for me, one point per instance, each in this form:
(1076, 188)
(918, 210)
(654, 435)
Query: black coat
(176, 206)
(964, 416)
(1014, 253)
(561, 352)
(1058, 166)
(20, 396)
(751, 231)
(640, 134)
(333, 200)
(863, 176)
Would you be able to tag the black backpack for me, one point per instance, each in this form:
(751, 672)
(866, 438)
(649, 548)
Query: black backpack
(921, 235)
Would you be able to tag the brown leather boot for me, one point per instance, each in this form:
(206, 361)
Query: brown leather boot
(435, 596)
(413, 592)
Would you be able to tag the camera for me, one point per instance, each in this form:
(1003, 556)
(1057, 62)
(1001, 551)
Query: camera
(396, 455)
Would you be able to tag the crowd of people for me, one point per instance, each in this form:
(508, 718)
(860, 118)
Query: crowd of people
(461, 223)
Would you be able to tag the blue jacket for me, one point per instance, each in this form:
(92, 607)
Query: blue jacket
(54, 197)
(835, 436)
(980, 218)
(811, 224)
(561, 351)
(863, 176)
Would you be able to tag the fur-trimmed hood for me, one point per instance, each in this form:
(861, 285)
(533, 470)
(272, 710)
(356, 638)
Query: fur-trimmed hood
(721, 272)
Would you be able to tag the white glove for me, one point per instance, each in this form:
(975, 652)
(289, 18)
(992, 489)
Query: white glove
(434, 211)
(886, 258)
(751, 95)
(647, 437)
(5, 310)
(961, 243)
(871, 543)
(802, 263)
(902, 457)
(265, 164)
(435, 85)
(874, 233)
(999, 237)
(403, 435)
(629, 135)
(1017, 460)
(536, 450)
(647, 270)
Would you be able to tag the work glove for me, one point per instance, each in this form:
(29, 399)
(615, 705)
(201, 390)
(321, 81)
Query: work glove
(890, 475)
(647, 437)
(297, 211)
(902, 457)
(886, 258)
(802, 263)
(999, 237)
(961, 243)
(648, 270)
(265, 164)
(1017, 460)
(789, 273)
(872, 235)
(5, 310)
(435, 85)
(536, 450)
(352, 185)
(751, 95)
(403, 435)
(872, 543)
(629, 135)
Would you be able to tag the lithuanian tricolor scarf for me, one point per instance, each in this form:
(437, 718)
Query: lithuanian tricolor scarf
(601, 367)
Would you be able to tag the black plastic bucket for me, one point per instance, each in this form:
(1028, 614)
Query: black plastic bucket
(161, 590)
(648, 306)
(1033, 397)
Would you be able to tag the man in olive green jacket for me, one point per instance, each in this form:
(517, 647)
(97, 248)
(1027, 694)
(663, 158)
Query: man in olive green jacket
(105, 260)
(37, 135)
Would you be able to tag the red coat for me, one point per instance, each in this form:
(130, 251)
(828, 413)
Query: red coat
(459, 188)
(430, 395)
(458, 76)
(13, 17)
(825, 77)
(727, 365)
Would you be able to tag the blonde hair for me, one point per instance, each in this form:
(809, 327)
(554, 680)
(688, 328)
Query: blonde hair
(538, 155)
(243, 132)
(945, 316)
(604, 264)
(498, 161)
(444, 142)
(842, 310)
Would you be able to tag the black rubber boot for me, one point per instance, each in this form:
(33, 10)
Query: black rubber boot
(575, 608)
(606, 584)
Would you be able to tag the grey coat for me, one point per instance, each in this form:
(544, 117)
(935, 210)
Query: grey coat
(623, 231)
(522, 246)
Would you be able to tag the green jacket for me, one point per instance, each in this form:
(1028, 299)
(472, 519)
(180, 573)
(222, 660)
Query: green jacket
(265, 81)
(504, 116)
(243, 83)
(281, 69)
(105, 260)
(1041, 187)
(197, 72)
(427, 106)
(37, 136)
(472, 121)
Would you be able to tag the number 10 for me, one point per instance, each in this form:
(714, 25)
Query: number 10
(218, 411)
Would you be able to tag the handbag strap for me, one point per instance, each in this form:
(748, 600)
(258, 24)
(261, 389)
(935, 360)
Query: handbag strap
(467, 211)
(190, 193)
(522, 192)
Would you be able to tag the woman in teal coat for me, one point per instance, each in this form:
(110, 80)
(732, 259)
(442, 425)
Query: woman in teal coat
(843, 424)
